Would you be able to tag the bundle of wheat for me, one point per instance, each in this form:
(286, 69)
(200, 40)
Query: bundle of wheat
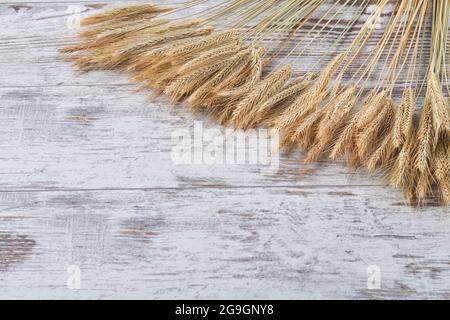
(234, 72)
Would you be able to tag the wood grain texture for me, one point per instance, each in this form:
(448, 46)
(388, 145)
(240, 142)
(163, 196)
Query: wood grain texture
(86, 179)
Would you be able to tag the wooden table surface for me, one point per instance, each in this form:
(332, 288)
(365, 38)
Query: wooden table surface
(87, 182)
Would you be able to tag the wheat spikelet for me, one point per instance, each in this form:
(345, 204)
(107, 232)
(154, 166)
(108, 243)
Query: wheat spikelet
(305, 133)
(298, 82)
(442, 172)
(246, 74)
(372, 110)
(423, 187)
(440, 110)
(324, 144)
(447, 179)
(376, 130)
(287, 125)
(404, 120)
(92, 31)
(96, 59)
(424, 138)
(228, 87)
(298, 110)
(74, 48)
(124, 13)
(203, 43)
(153, 60)
(332, 120)
(152, 69)
(160, 55)
(118, 38)
(182, 50)
(128, 51)
(245, 79)
(151, 40)
(171, 68)
(129, 56)
(334, 117)
(399, 176)
(423, 156)
(183, 86)
(431, 146)
(196, 100)
(285, 96)
(431, 151)
(109, 27)
(160, 62)
(328, 72)
(214, 98)
(96, 31)
(157, 27)
(133, 29)
(307, 102)
(114, 30)
(352, 134)
(399, 134)
(401, 173)
(382, 155)
(176, 53)
(244, 113)
(159, 76)
(345, 141)
(351, 140)
(232, 90)
(209, 57)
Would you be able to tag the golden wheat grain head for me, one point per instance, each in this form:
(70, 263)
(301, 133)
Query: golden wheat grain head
(125, 12)
(245, 111)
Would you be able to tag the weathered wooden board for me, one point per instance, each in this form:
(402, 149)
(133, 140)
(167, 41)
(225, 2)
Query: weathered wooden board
(87, 179)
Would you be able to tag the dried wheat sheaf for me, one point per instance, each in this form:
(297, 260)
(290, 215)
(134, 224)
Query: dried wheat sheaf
(232, 60)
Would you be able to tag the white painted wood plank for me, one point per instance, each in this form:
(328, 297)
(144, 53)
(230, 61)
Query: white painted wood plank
(108, 137)
(222, 243)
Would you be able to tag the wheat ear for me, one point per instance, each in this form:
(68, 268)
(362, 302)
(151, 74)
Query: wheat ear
(277, 102)
(332, 121)
(442, 171)
(350, 140)
(197, 99)
(399, 134)
(373, 134)
(235, 88)
(301, 106)
(124, 13)
(345, 140)
(184, 86)
(424, 151)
